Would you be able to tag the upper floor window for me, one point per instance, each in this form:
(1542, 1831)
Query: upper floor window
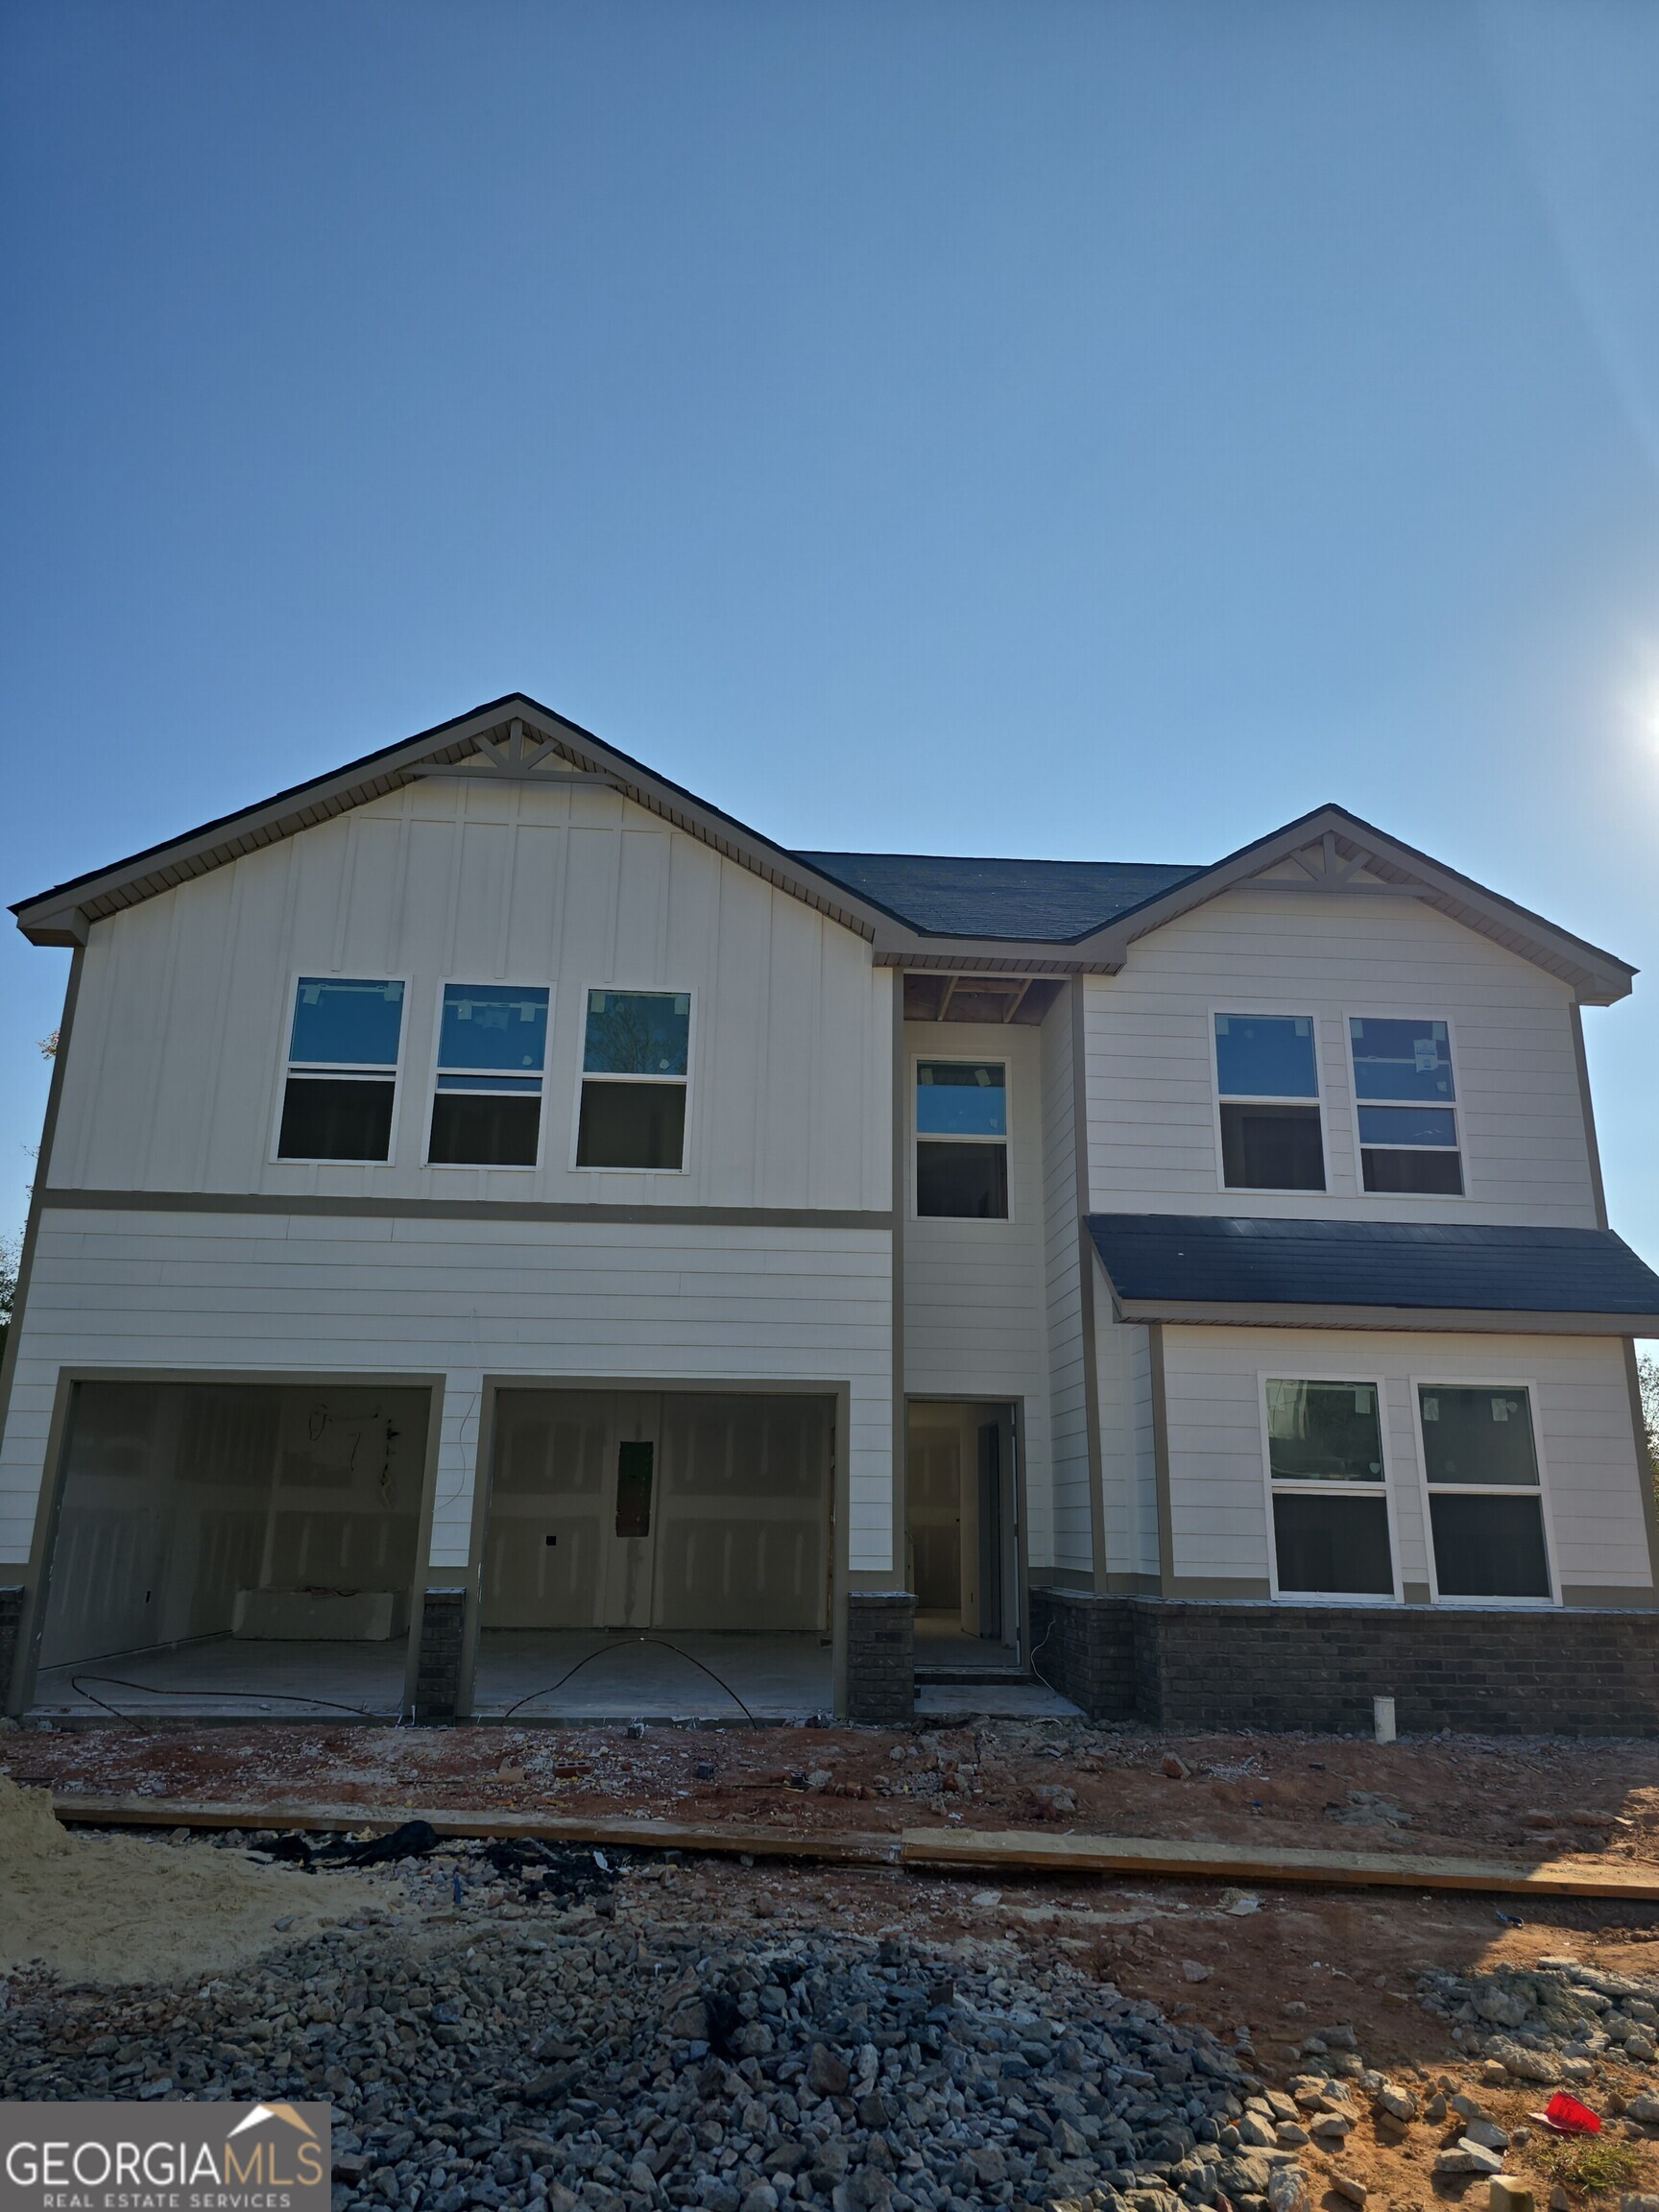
(1269, 1081)
(1485, 1502)
(962, 1138)
(342, 1080)
(491, 1055)
(1404, 1095)
(635, 1062)
(1329, 1506)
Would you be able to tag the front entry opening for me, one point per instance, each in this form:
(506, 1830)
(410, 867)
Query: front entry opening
(963, 1534)
(704, 1517)
(247, 1548)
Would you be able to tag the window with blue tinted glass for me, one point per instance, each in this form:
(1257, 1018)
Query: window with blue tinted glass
(491, 1051)
(340, 1022)
(638, 1033)
(1268, 1080)
(1408, 1059)
(1265, 1056)
(962, 1140)
(1435, 1125)
(342, 1081)
(954, 1100)
(636, 1056)
(1403, 1085)
(494, 1025)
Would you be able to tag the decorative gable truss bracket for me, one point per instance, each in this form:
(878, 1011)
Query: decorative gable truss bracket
(1335, 864)
(520, 757)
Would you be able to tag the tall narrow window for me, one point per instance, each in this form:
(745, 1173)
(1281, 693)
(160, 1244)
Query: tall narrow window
(636, 1055)
(1330, 1511)
(1407, 1119)
(1269, 1081)
(962, 1138)
(491, 1052)
(342, 1070)
(1485, 1505)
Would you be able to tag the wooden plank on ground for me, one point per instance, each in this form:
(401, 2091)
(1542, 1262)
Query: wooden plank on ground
(847, 1847)
(994, 1849)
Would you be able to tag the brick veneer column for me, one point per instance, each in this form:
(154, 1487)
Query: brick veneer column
(881, 1655)
(438, 1661)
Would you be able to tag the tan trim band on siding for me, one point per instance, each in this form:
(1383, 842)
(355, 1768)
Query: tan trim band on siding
(1472, 1320)
(462, 1210)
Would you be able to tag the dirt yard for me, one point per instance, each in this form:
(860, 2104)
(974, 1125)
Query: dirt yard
(1262, 1970)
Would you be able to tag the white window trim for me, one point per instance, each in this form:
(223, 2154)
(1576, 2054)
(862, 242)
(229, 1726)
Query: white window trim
(285, 1066)
(1355, 1374)
(918, 1060)
(685, 991)
(1542, 1492)
(479, 1167)
(1419, 1013)
(1259, 1012)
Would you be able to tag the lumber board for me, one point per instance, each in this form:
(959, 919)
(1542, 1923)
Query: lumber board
(1192, 1861)
(847, 1847)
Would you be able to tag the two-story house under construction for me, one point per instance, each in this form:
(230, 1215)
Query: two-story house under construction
(495, 1206)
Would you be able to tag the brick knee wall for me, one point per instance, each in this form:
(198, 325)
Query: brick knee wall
(438, 1660)
(1084, 1647)
(1279, 1667)
(10, 1626)
(881, 1655)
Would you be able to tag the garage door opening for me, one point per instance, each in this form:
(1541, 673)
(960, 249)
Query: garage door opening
(699, 1520)
(963, 1537)
(239, 1547)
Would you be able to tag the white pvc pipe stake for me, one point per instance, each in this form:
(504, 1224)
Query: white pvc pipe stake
(1383, 1711)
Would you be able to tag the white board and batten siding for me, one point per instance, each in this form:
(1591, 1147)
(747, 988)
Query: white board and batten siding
(1581, 1409)
(174, 1076)
(1152, 1134)
(974, 1290)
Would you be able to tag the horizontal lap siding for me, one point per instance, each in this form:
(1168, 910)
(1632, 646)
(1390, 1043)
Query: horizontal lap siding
(174, 1075)
(1581, 1405)
(1065, 1534)
(1152, 1085)
(463, 1299)
(974, 1290)
(1123, 1364)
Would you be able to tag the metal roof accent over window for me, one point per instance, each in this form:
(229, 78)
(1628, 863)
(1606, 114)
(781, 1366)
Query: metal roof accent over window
(1200, 1267)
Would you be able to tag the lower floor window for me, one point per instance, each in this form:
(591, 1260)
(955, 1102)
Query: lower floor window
(1485, 1502)
(1335, 1546)
(1329, 1510)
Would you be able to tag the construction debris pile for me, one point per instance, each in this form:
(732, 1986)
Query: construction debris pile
(1549, 2022)
(570, 2058)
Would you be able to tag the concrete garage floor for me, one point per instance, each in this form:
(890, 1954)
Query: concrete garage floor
(650, 1674)
(558, 1674)
(222, 1676)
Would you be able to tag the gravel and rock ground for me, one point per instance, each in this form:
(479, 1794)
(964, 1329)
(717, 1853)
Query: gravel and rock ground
(507, 2028)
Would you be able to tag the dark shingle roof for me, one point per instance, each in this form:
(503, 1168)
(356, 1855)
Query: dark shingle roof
(1201, 1259)
(1052, 901)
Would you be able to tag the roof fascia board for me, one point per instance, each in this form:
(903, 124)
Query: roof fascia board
(64, 915)
(1476, 1320)
(1595, 976)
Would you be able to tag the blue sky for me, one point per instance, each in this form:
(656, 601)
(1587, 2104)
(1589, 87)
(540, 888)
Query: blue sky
(1098, 430)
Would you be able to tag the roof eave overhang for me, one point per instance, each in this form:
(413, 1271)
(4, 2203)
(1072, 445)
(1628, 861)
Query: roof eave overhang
(64, 915)
(1440, 1319)
(1595, 977)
